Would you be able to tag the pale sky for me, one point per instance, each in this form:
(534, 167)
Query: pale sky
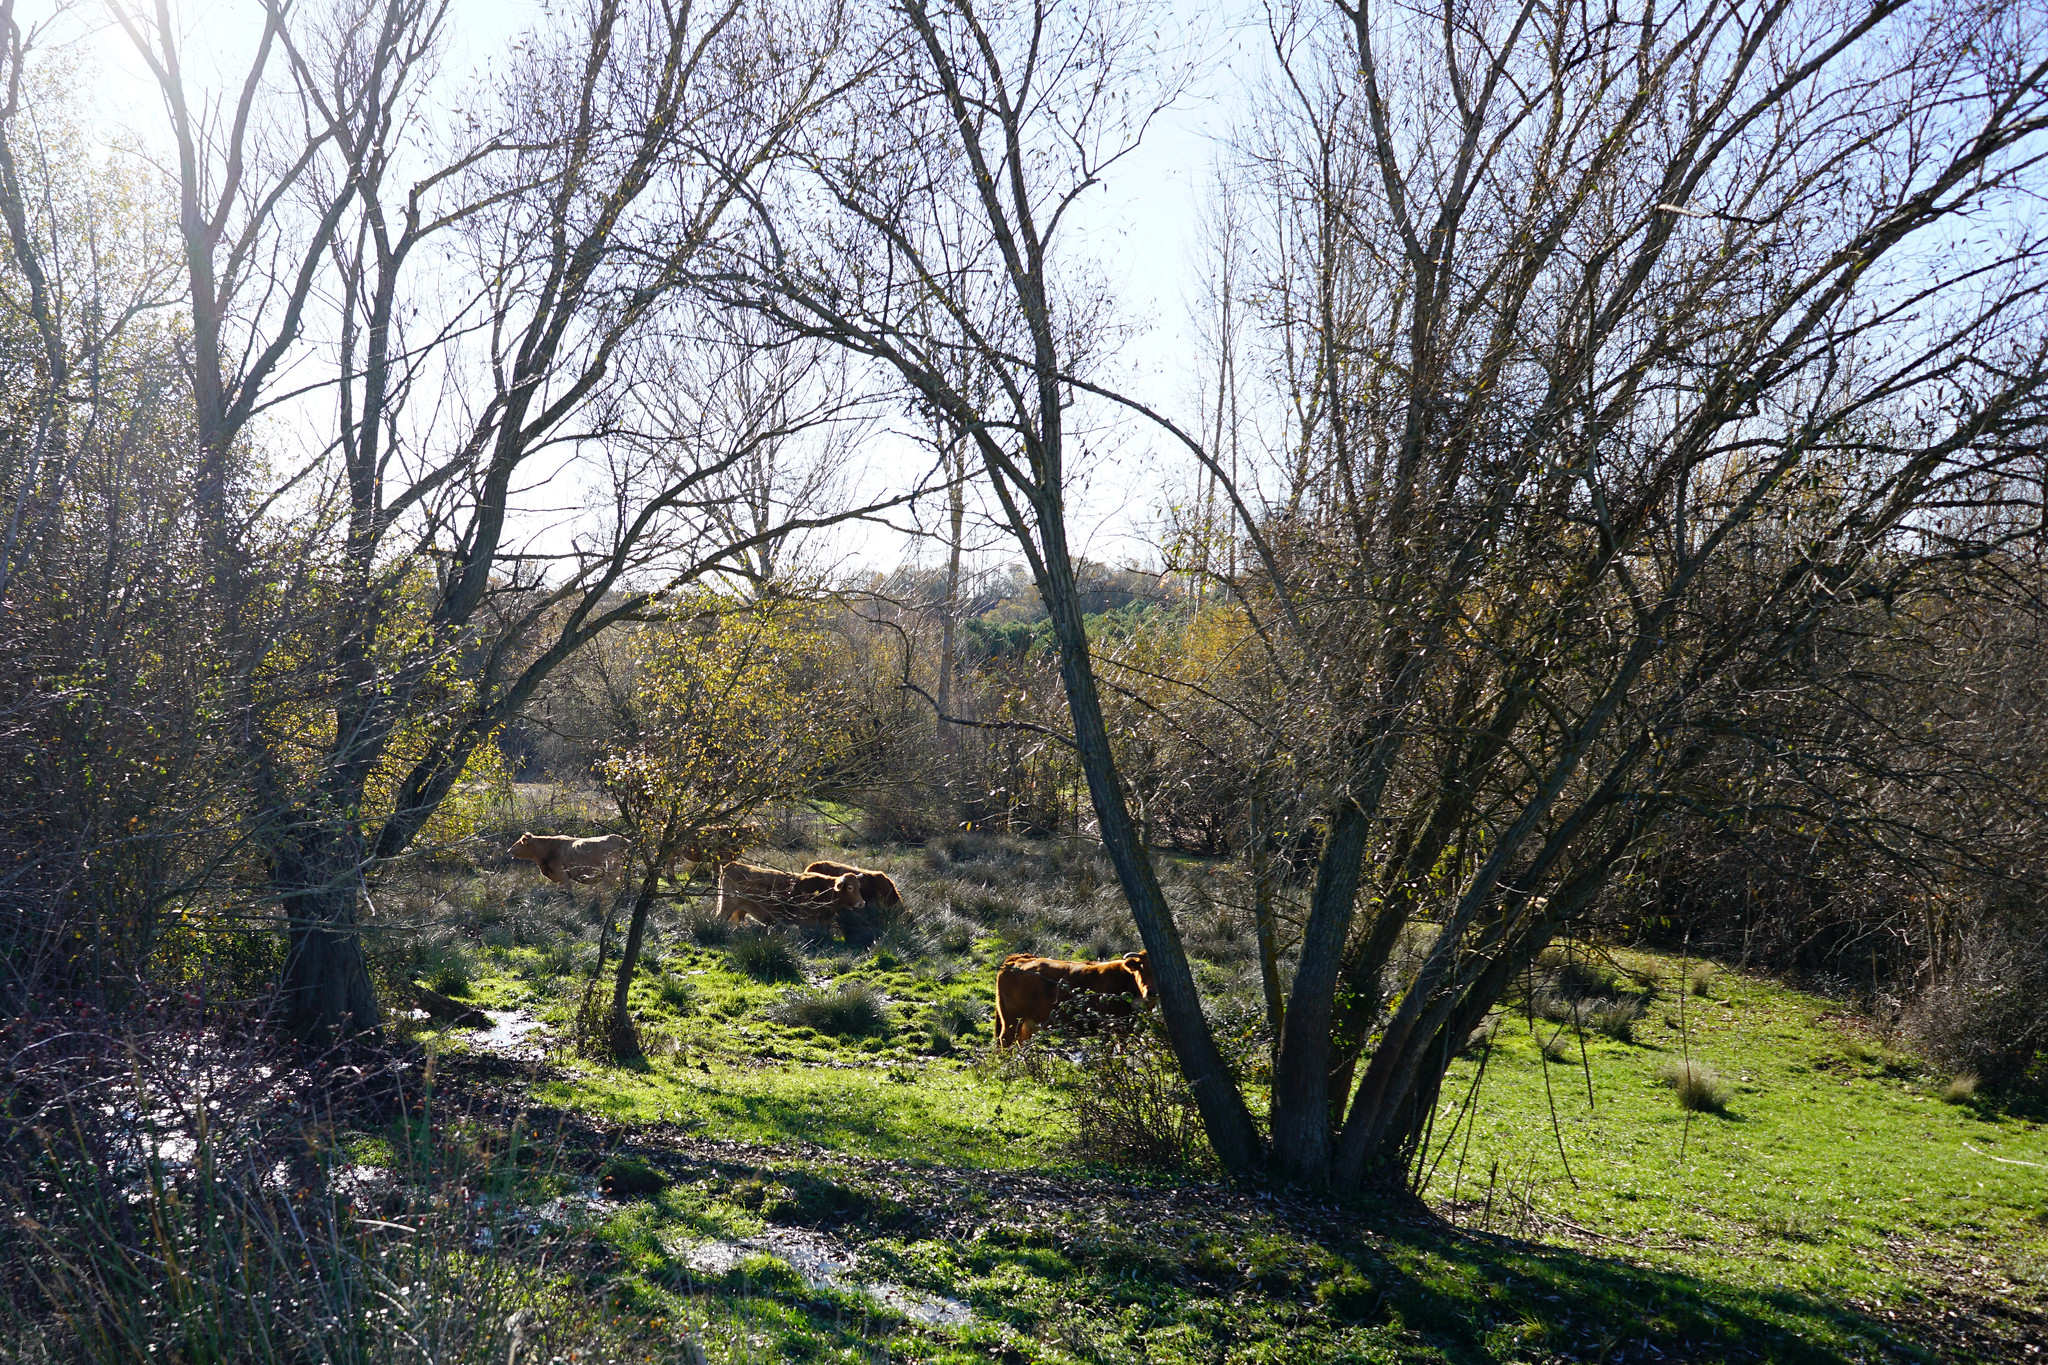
(1142, 225)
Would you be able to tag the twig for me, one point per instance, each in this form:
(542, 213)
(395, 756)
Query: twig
(2004, 1160)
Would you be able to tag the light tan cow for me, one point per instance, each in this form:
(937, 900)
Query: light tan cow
(1029, 988)
(771, 896)
(563, 858)
(875, 886)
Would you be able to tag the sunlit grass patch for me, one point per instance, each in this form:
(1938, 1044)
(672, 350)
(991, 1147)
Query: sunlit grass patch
(1832, 1172)
(946, 1114)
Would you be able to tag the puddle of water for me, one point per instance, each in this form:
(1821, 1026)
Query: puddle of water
(584, 1206)
(513, 1033)
(826, 1265)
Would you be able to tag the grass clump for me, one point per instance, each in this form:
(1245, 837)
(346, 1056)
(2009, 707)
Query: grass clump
(1618, 1018)
(1558, 1048)
(1699, 979)
(678, 993)
(853, 1010)
(703, 927)
(1792, 1224)
(1697, 1087)
(947, 1021)
(1960, 1088)
(766, 957)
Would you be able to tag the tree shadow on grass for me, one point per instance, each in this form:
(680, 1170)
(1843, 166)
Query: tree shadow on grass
(1486, 1298)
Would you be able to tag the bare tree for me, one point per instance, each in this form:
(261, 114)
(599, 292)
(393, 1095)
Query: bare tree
(103, 735)
(1623, 351)
(944, 248)
(483, 303)
(1609, 401)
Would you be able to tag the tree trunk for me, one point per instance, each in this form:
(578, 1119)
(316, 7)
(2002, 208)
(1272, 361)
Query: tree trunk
(1224, 1114)
(1301, 1081)
(620, 1035)
(328, 998)
(949, 739)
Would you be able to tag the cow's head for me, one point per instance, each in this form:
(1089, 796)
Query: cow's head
(1141, 971)
(846, 891)
(523, 847)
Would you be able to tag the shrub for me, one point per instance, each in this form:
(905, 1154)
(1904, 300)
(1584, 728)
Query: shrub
(1983, 1015)
(1132, 1107)
(1697, 1087)
(854, 1010)
(765, 957)
(221, 1258)
(1699, 979)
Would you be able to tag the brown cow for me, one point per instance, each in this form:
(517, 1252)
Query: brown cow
(563, 857)
(1029, 988)
(773, 896)
(875, 886)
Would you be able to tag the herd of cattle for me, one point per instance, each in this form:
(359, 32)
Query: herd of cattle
(1028, 989)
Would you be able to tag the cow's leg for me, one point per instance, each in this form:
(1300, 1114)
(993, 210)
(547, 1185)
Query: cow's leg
(552, 873)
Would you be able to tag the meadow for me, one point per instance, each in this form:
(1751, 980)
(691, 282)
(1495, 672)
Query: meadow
(821, 1157)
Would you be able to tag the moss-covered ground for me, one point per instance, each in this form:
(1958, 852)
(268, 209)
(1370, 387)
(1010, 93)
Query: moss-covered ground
(1839, 1202)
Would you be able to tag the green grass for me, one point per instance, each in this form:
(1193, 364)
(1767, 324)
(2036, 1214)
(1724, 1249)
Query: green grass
(1830, 1171)
(1830, 1210)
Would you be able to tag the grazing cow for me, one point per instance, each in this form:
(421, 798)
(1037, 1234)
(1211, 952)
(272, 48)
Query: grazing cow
(564, 858)
(1029, 988)
(875, 886)
(773, 896)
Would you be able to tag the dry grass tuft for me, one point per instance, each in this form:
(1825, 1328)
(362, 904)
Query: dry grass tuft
(1697, 1087)
(1960, 1088)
